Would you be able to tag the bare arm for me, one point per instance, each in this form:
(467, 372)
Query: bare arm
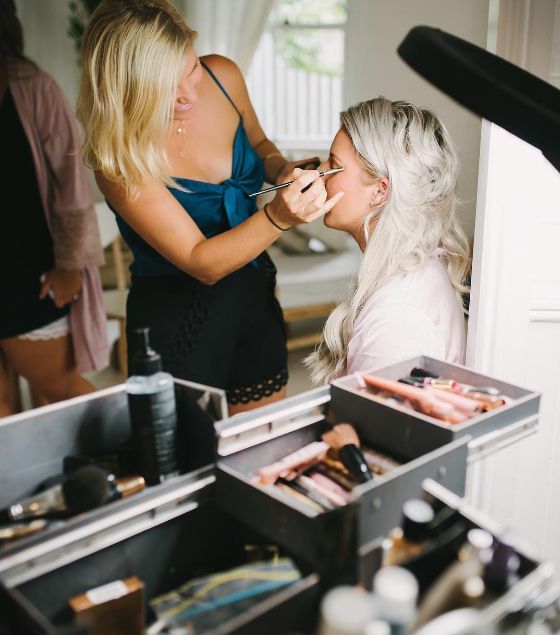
(163, 223)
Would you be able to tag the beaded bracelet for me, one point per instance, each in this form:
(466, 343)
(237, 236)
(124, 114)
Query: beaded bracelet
(284, 229)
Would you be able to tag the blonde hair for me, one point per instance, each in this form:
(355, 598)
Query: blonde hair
(411, 148)
(133, 55)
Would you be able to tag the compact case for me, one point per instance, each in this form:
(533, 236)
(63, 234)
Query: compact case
(339, 543)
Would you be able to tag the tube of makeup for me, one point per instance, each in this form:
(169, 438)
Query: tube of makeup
(313, 495)
(336, 476)
(329, 484)
(307, 454)
(289, 491)
(466, 406)
(379, 463)
(421, 400)
(335, 499)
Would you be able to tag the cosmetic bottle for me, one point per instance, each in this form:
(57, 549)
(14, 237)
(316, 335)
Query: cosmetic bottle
(458, 622)
(377, 627)
(461, 584)
(153, 415)
(395, 592)
(502, 567)
(407, 541)
(345, 610)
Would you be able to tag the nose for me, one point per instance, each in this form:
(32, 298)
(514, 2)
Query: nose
(186, 93)
(324, 166)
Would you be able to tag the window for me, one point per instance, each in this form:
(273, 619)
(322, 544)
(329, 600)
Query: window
(295, 80)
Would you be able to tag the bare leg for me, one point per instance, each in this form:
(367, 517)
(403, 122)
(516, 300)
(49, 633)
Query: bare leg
(48, 366)
(243, 407)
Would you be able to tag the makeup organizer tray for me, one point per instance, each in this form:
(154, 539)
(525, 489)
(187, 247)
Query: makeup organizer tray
(493, 429)
(426, 447)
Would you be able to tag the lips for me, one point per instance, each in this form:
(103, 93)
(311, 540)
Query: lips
(183, 107)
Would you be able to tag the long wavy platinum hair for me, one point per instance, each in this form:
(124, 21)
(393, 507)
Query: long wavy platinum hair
(133, 54)
(411, 148)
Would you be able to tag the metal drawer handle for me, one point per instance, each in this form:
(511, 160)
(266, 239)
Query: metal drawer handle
(488, 444)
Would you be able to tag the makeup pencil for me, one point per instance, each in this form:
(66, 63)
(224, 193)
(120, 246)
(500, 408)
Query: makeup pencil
(287, 183)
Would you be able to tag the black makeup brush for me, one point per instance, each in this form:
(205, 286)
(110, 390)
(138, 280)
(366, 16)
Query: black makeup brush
(343, 438)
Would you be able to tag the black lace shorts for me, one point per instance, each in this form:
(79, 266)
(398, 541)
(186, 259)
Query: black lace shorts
(230, 335)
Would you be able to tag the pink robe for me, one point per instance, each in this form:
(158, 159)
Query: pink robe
(53, 136)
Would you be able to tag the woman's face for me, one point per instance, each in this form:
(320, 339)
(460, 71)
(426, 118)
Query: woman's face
(186, 96)
(359, 190)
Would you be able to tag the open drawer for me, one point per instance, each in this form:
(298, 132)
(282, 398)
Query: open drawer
(34, 444)
(330, 542)
(164, 541)
(420, 432)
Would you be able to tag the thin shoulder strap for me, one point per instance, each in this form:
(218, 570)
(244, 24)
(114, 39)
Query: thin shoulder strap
(220, 86)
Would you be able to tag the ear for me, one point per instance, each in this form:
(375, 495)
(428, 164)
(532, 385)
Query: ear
(379, 191)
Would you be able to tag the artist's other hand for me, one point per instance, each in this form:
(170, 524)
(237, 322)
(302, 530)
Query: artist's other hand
(63, 285)
(292, 207)
(305, 164)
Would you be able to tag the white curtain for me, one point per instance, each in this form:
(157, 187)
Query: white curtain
(229, 27)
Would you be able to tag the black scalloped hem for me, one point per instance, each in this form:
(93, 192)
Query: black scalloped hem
(256, 392)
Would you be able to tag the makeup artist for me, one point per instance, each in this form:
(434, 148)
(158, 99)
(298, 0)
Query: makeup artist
(400, 175)
(176, 147)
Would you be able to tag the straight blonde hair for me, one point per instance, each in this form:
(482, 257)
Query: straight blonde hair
(133, 54)
(411, 148)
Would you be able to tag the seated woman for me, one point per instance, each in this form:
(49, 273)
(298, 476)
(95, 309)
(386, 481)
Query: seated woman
(400, 182)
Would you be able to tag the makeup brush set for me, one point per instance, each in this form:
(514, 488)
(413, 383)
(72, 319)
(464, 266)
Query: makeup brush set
(323, 476)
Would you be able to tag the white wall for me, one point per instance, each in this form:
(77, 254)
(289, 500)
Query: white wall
(45, 23)
(375, 29)
(514, 328)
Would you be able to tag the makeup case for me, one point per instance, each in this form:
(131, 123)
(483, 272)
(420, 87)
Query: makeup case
(201, 522)
(164, 535)
(340, 543)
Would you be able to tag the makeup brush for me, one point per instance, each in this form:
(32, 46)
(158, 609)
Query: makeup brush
(287, 183)
(344, 439)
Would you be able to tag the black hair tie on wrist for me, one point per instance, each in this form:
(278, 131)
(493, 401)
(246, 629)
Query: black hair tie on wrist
(284, 229)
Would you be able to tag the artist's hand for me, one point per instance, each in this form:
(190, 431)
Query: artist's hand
(305, 164)
(292, 207)
(63, 285)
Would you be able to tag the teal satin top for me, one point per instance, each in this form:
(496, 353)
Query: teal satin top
(214, 207)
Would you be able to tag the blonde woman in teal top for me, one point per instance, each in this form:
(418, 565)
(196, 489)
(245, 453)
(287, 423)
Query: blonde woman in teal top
(176, 147)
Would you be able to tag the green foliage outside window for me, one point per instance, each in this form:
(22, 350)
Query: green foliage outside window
(319, 50)
(314, 50)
